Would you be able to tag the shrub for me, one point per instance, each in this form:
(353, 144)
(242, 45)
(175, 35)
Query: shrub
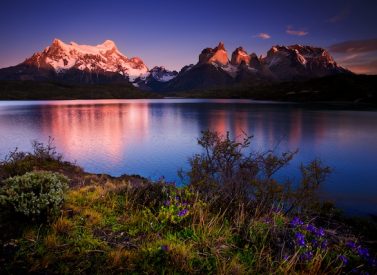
(34, 194)
(42, 157)
(228, 171)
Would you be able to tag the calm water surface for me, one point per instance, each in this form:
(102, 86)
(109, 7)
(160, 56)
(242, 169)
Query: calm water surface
(154, 138)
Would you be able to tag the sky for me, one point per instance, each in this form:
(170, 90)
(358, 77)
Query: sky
(173, 33)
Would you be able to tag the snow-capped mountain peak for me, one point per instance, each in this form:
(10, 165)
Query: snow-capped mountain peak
(101, 58)
(159, 73)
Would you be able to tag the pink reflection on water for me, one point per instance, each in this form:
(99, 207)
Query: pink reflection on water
(295, 133)
(84, 131)
(219, 122)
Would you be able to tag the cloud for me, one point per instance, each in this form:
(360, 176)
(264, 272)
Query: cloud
(355, 46)
(340, 16)
(364, 68)
(263, 35)
(359, 56)
(291, 31)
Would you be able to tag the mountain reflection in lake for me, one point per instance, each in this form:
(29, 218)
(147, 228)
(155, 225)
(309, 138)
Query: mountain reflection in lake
(154, 138)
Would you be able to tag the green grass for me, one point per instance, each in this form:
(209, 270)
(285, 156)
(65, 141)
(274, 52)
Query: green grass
(102, 230)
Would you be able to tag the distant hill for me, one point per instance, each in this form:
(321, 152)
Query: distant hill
(38, 90)
(359, 89)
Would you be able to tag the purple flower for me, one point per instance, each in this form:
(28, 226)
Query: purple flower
(296, 222)
(300, 239)
(165, 248)
(311, 228)
(182, 213)
(372, 262)
(344, 259)
(363, 252)
(324, 244)
(306, 256)
(320, 232)
(167, 203)
(351, 244)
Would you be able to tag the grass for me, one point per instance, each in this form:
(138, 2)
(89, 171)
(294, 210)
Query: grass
(103, 229)
(130, 225)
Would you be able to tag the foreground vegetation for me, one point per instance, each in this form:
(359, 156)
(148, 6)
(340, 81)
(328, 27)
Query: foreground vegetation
(232, 218)
(38, 90)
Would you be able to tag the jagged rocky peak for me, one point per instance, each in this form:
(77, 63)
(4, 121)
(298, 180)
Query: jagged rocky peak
(220, 46)
(57, 42)
(255, 62)
(109, 44)
(239, 56)
(186, 68)
(218, 55)
(288, 62)
(301, 54)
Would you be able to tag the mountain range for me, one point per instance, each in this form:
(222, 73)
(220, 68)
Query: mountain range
(104, 63)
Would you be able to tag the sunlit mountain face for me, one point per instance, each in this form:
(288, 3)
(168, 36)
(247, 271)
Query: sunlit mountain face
(83, 64)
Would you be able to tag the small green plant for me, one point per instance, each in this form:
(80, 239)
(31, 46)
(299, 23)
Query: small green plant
(174, 210)
(34, 194)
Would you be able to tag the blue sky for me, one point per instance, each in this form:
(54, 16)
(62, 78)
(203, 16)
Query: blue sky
(172, 33)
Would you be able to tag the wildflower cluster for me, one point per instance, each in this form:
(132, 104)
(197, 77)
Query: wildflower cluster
(308, 239)
(355, 250)
(174, 210)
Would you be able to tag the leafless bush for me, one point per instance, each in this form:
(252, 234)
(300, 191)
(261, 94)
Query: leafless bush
(225, 171)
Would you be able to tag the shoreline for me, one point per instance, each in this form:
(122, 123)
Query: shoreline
(128, 224)
(332, 105)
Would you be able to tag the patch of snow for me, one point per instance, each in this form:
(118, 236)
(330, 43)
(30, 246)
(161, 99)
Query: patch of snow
(189, 67)
(230, 69)
(167, 77)
(301, 59)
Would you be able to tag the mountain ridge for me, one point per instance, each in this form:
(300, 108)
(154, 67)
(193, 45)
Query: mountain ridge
(104, 63)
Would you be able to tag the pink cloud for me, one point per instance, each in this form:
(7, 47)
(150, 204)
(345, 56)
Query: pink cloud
(366, 68)
(263, 35)
(290, 31)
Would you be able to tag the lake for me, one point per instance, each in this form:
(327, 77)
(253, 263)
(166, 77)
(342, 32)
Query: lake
(155, 138)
